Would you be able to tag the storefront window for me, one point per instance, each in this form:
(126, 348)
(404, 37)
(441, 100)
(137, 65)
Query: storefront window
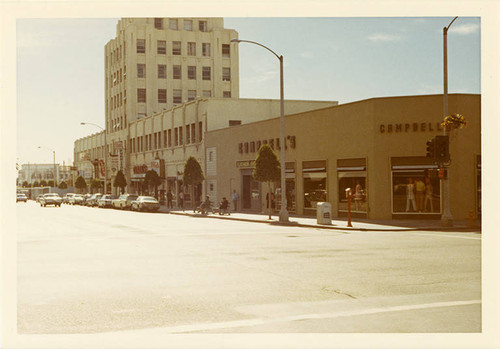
(290, 189)
(314, 175)
(352, 174)
(416, 191)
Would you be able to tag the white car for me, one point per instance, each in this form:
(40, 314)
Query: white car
(50, 199)
(76, 199)
(21, 197)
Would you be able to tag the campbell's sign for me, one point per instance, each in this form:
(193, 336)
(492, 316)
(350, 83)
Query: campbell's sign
(140, 169)
(410, 127)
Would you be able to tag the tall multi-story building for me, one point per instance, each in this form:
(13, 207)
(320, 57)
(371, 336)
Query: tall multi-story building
(154, 64)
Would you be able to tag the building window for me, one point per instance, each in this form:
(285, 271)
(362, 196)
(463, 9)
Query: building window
(161, 47)
(200, 131)
(176, 136)
(169, 138)
(226, 94)
(314, 177)
(415, 186)
(205, 49)
(351, 173)
(191, 95)
(193, 133)
(203, 26)
(162, 95)
(141, 46)
(162, 71)
(159, 23)
(226, 74)
(234, 122)
(191, 48)
(177, 96)
(141, 70)
(206, 73)
(177, 72)
(188, 24)
(188, 134)
(165, 139)
(176, 48)
(226, 50)
(141, 95)
(192, 72)
(180, 136)
(172, 24)
(207, 93)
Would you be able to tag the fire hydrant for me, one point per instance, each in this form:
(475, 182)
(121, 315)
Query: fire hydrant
(472, 218)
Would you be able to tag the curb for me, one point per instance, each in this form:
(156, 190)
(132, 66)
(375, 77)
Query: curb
(327, 227)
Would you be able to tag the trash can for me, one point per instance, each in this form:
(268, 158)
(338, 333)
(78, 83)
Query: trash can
(324, 213)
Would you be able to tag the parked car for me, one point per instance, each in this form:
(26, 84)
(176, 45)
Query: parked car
(50, 199)
(85, 198)
(66, 197)
(21, 197)
(124, 201)
(92, 201)
(38, 198)
(76, 199)
(145, 203)
(106, 200)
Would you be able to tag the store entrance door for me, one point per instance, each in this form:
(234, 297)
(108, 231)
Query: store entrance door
(250, 197)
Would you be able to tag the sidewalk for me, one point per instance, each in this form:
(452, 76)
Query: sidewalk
(338, 223)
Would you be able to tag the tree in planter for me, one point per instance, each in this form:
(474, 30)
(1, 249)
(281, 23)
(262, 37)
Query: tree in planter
(63, 185)
(43, 183)
(267, 169)
(25, 184)
(120, 181)
(36, 184)
(154, 180)
(51, 183)
(80, 183)
(193, 175)
(96, 184)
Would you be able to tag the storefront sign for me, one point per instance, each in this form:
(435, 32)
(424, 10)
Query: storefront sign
(245, 164)
(274, 143)
(140, 169)
(410, 127)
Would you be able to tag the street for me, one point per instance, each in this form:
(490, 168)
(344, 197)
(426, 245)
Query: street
(89, 270)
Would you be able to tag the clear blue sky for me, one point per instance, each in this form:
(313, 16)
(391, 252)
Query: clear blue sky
(60, 67)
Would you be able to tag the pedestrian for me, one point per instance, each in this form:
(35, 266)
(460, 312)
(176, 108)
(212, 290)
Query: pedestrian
(169, 199)
(235, 198)
(181, 199)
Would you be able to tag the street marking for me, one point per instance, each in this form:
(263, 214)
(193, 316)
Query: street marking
(264, 321)
(451, 236)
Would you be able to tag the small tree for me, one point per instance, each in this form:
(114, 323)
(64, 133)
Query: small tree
(80, 183)
(95, 184)
(267, 169)
(51, 183)
(120, 181)
(25, 184)
(153, 179)
(36, 184)
(43, 183)
(193, 175)
(63, 185)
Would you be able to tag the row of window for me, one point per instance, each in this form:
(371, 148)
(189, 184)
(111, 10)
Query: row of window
(168, 138)
(117, 101)
(173, 23)
(117, 77)
(116, 55)
(116, 124)
(177, 72)
(161, 48)
(176, 95)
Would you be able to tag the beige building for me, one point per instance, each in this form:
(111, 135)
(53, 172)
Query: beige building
(377, 147)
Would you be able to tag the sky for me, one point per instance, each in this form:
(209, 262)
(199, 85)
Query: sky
(60, 67)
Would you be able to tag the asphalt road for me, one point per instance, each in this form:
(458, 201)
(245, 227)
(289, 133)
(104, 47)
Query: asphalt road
(89, 270)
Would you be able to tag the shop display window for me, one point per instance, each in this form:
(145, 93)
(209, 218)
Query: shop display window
(314, 176)
(416, 191)
(357, 182)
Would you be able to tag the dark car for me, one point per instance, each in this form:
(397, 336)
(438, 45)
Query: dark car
(106, 200)
(124, 202)
(145, 203)
(50, 199)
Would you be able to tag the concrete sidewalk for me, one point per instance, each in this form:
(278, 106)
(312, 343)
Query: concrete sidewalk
(339, 223)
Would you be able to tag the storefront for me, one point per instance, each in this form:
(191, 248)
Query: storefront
(375, 147)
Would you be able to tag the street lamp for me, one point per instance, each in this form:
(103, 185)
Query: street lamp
(283, 212)
(105, 155)
(446, 218)
(55, 172)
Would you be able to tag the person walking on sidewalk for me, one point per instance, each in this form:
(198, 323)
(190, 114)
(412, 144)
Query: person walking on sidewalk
(181, 199)
(169, 199)
(235, 198)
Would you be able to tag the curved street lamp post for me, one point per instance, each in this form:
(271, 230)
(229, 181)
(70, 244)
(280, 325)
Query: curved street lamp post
(105, 155)
(283, 212)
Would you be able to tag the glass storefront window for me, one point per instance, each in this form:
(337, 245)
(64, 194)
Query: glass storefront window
(314, 175)
(357, 182)
(416, 191)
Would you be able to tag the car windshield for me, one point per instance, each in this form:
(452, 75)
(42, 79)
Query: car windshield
(51, 195)
(111, 197)
(131, 197)
(148, 198)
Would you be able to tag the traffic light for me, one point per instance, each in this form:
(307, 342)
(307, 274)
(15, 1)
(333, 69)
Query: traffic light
(442, 148)
(431, 148)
